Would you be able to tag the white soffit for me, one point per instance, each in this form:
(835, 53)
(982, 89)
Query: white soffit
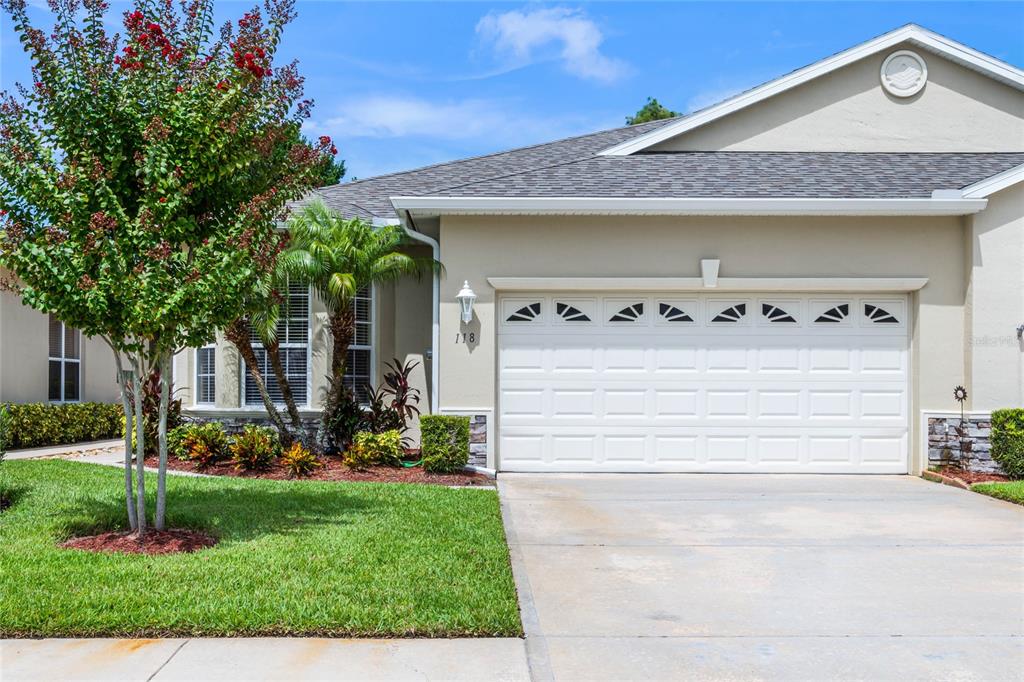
(923, 38)
(432, 206)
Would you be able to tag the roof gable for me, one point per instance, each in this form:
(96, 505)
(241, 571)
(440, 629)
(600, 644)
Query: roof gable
(912, 34)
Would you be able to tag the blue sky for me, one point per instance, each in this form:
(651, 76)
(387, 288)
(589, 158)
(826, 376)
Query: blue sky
(400, 85)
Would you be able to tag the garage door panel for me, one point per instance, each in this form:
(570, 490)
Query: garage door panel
(744, 384)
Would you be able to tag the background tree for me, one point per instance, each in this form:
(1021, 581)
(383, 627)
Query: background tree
(338, 257)
(651, 111)
(141, 179)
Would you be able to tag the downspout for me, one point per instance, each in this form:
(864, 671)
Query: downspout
(435, 333)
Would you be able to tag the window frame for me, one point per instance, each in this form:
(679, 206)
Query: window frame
(372, 346)
(257, 404)
(63, 360)
(197, 375)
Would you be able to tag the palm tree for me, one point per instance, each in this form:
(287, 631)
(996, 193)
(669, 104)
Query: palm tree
(261, 320)
(338, 257)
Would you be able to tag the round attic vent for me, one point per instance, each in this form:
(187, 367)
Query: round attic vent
(904, 73)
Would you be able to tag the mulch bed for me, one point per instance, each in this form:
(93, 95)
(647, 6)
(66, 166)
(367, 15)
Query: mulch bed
(972, 477)
(334, 470)
(153, 542)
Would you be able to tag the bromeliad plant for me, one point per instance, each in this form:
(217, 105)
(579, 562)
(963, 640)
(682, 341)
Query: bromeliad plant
(141, 179)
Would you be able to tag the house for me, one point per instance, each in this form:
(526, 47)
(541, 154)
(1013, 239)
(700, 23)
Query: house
(792, 280)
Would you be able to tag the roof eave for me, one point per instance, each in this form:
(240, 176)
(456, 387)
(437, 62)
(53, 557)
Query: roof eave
(440, 205)
(991, 185)
(933, 42)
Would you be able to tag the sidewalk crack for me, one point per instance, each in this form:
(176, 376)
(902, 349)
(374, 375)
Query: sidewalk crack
(173, 654)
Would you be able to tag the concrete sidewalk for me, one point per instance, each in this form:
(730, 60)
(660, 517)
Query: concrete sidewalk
(192, 660)
(88, 450)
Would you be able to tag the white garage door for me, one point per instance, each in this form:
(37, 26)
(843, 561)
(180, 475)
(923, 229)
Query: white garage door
(744, 383)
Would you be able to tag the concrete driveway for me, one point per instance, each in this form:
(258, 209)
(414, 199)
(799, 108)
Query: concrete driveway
(765, 577)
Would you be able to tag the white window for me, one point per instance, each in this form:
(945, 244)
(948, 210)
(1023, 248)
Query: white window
(293, 344)
(206, 375)
(359, 370)
(65, 362)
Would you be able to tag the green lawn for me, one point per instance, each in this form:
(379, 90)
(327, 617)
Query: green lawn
(295, 558)
(1011, 490)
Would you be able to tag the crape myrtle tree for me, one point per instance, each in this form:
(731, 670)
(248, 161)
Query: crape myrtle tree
(142, 177)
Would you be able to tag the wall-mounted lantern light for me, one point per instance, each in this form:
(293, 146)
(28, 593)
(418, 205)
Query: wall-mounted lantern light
(466, 297)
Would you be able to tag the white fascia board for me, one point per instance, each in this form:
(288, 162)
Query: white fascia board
(989, 186)
(760, 284)
(933, 42)
(683, 206)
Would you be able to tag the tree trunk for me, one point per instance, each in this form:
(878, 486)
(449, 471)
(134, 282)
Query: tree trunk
(343, 328)
(129, 418)
(238, 334)
(140, 452)
(161, 478)
(342, 324)
(274, 353)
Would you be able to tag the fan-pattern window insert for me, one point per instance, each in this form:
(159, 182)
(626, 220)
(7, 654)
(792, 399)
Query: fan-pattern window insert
(527, 313)
(836, 314)
(776, 314)
(879, 315)
(731, 314)
(671, 313)
(570, 313)
(630, 313)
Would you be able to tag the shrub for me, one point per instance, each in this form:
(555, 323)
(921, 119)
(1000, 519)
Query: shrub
(5, 430)
(151, 412)
(1008, 440)
(342, 423)
(35, 425)
(395, 402)
(255, 448)
(203, 444)
(299, 461)
(444, 442)
(370, 448)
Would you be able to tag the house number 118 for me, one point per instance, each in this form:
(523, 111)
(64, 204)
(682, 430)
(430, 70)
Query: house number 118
(463, 337)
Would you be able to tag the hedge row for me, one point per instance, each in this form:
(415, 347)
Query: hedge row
(1008, 440)
(34, 425)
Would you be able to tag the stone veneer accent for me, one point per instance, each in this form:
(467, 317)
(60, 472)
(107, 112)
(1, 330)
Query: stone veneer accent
(235, 423)
(478, 440)
(944, 442)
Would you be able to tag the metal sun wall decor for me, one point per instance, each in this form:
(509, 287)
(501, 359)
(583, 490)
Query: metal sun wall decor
(960, 395)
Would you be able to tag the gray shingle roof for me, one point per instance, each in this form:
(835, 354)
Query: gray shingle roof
(750, 174)
(572, 168)
(370, 197)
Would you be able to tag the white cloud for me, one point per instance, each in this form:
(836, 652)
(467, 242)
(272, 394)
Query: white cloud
(395, 116)
(528, 36)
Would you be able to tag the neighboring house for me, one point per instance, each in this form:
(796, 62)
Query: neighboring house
(793, 280)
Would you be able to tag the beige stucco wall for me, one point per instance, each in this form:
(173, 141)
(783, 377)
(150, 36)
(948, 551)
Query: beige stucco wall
(995, 302)
(24, 352)
(476, 248)
(848, 110)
